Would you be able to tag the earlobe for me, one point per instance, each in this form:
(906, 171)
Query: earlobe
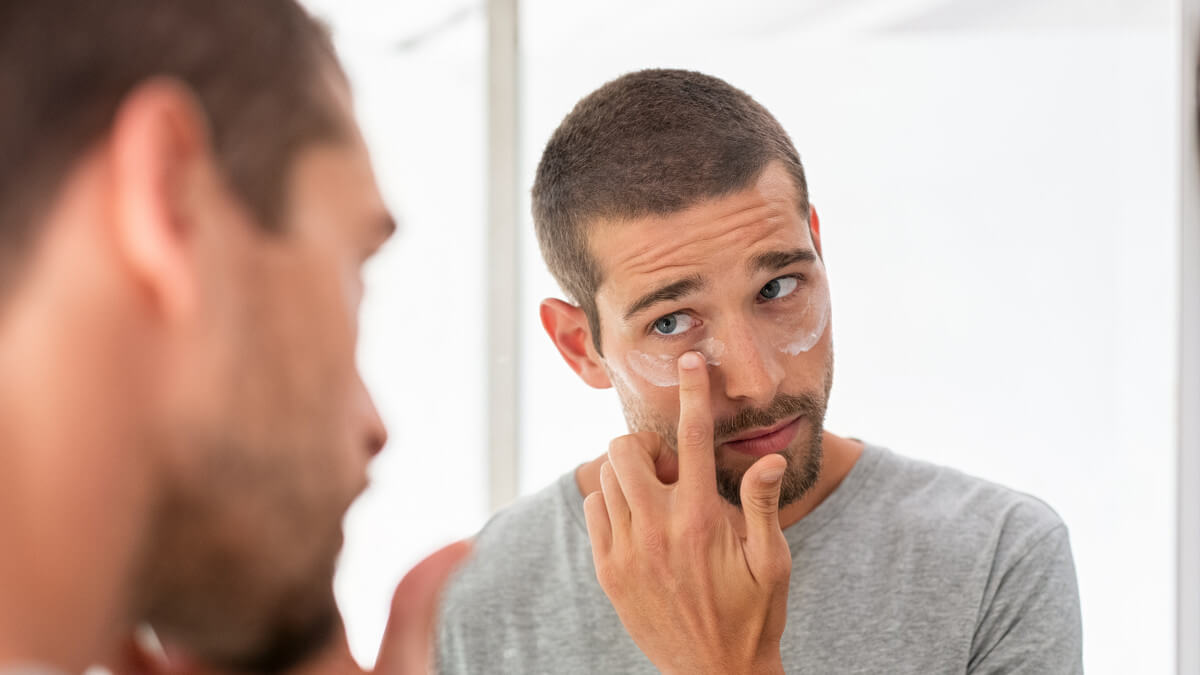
(568, 328)
(159, 139)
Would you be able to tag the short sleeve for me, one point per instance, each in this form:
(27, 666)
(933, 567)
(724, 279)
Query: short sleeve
(1030, 619)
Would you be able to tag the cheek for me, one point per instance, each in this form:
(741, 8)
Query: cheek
(326, 296)
(648, 407)
(311, 344)
(662, 370)
(800, 332)
(657, 370)
(639, 385)
(801, 327)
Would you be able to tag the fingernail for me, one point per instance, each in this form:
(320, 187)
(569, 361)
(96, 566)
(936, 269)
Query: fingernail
(771, 475)
(691, 361)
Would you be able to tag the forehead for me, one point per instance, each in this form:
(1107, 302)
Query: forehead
(712, 239)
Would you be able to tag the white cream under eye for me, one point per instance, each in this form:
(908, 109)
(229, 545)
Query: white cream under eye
(661, 370)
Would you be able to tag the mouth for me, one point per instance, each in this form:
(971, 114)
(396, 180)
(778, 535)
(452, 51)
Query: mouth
(767, 440)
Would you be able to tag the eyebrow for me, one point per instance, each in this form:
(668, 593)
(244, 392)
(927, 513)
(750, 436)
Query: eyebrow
(777, 260)
(672, 291)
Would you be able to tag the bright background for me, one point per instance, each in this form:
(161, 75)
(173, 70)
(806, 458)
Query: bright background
(996, 183)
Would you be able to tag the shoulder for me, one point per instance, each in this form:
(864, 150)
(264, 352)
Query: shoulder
(938, 518)
(532, 539)
(524, 560)
(935, 499)
(525, 530)
(970, 533)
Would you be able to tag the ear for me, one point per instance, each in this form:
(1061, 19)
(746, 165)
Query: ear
(159, 146)
(815, 228)
(568, 329)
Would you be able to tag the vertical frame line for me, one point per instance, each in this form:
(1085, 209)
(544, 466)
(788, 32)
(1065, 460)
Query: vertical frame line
(503, 358)
(1188, 552)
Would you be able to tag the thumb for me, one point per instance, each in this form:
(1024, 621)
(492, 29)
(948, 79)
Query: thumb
(760, 505)
(407, 647)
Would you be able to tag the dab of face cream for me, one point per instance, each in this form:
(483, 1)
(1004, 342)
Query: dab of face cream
(808, 337)
(661, 370)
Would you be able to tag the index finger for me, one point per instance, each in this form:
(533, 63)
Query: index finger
(697, 466)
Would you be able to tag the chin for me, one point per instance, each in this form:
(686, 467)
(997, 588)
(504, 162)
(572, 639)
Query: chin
(804, 459)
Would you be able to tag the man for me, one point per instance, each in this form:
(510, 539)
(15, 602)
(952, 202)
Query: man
(730, 532)
(185, 206)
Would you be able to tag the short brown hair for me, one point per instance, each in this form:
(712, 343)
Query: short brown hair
(256, 67)
(649, 143)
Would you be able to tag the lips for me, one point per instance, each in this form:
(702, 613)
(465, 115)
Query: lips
(764, 441)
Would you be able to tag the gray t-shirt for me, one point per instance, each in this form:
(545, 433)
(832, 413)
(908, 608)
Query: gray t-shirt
(906, 567)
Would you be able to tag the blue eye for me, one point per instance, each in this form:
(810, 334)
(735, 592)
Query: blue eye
(779, 288)
(673, 324)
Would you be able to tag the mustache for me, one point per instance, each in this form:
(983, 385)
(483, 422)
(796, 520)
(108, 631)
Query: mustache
(784, 406)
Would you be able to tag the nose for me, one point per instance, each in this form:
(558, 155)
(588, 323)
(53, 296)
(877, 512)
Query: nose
(749, 372)
(374, 433)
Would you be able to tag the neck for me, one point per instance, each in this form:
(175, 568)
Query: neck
(838, 456)
(72, 504)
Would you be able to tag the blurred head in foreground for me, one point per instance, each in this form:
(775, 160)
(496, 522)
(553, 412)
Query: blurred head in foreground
(185, 207)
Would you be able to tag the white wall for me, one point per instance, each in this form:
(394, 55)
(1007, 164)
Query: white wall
(996, 185)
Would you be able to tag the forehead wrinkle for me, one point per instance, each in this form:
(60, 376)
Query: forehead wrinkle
(652, 256)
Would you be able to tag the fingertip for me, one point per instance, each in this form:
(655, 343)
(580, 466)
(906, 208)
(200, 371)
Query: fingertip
(451, 553)
(771, 469)
(460, 549)
(691, 361)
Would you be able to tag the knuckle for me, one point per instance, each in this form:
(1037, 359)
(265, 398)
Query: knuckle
(621, 454)
(618, 442)
(696, 527)
(650, 443)
(608, 577)
(760, 501)
(693, 434)
(646, 438)
(779, 567)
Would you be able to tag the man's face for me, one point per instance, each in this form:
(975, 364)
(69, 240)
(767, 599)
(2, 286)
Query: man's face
(740, 280)
(277, 427)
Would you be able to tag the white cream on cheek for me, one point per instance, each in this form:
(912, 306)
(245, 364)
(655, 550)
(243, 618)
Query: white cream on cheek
(806, 336)
(661, 370)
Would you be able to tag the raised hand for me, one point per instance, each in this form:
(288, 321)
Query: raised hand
(695, 595)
